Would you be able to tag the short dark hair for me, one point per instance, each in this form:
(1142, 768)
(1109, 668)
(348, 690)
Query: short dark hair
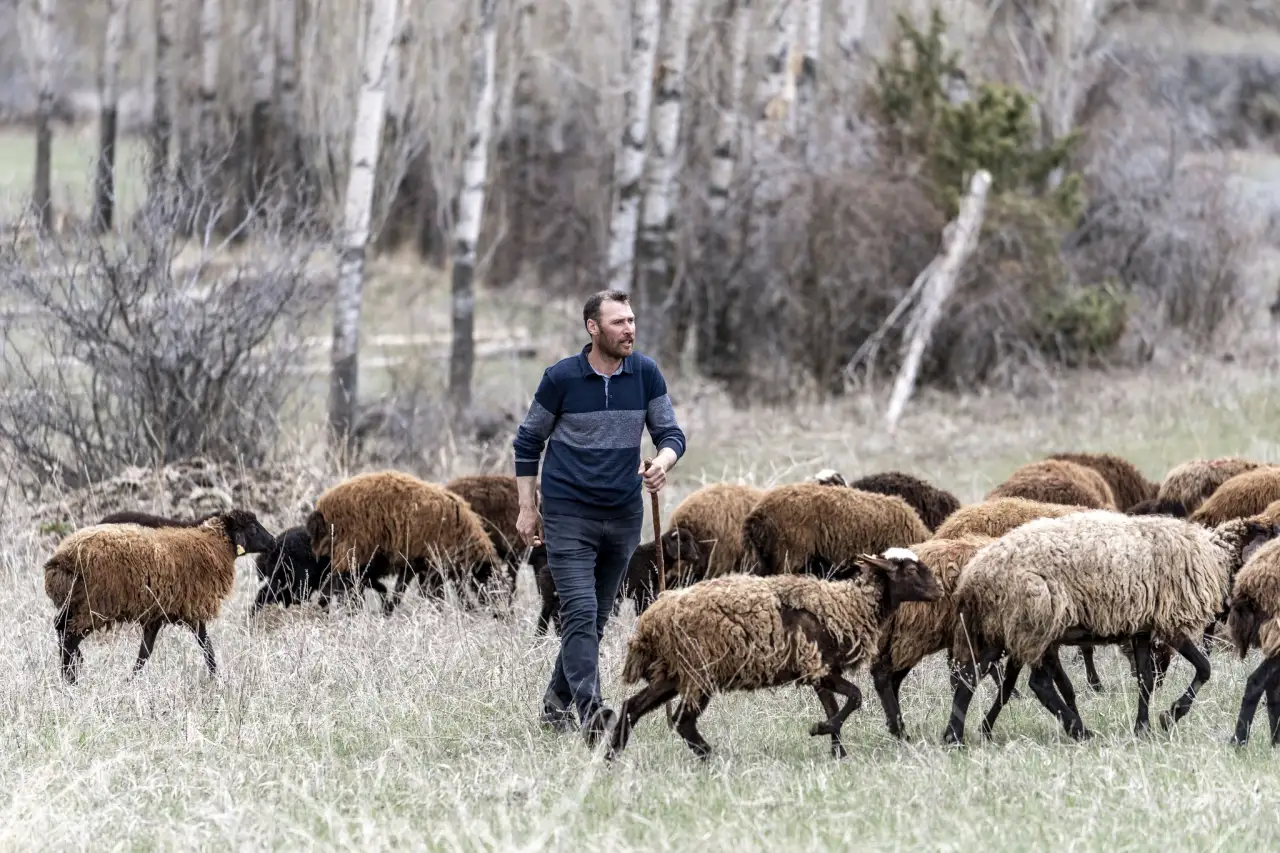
(591, 311)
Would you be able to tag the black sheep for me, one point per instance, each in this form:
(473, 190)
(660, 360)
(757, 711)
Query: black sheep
(291, 572)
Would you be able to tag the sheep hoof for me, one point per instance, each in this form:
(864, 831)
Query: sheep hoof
(823, 728)
(1166, 720)
(1238, 741)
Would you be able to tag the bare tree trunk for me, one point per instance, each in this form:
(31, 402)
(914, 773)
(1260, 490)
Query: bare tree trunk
(656, 247)
(365, 139)
(42, 185)
(286, 31)
(959, 240)
(729, 124)
(255, 164)
(471, 206)
(210, 52)
(646, 23)
(104, 189)
(162, 114)
(1075, 28)
(810, 43)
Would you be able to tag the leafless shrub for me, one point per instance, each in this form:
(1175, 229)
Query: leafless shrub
(137, 350)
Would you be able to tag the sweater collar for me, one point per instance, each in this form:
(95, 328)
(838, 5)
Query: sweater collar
(588, 370)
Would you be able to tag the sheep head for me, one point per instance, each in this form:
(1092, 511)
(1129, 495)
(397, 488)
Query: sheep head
(679, 549)
(1243, 624)
(1242, 536)
(902, 575)
(830, 477)
(246, 532)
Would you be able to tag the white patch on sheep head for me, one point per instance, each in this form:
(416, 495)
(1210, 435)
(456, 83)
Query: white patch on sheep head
(900, 555)
(829, 477)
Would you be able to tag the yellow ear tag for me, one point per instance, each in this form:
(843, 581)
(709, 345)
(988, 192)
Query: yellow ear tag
(239, 550)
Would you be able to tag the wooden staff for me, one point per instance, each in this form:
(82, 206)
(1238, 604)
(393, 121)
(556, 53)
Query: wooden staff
(657, 536)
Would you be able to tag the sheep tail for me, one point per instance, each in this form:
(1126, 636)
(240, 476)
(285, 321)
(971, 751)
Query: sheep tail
(1243, 623)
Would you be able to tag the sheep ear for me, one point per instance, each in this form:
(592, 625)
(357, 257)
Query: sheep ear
(873, 561)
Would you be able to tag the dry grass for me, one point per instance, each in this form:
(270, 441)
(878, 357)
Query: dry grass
(353, 730)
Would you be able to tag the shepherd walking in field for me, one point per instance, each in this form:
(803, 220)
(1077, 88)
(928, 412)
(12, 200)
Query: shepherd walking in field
(590, 411)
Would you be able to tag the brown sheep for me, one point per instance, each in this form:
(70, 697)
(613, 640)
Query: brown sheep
(743, 632)
(1096, 577)
(495, 498)
(392, 522)
(714, 515)
(809, 527)
(1254, 621)
(934, 505)
(1128, 485)
(108, 574)
(998, 516)
(1059, 482)
(921, 628)
(1242, 496)
(1192, 482)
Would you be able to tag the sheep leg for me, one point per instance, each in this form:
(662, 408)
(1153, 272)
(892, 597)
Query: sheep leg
(836, 683)
(887, 683)
(646, 700)
(1146, 680)
(1041, 683)
(206, 646)
(964, 680)
(687, 725)
(832, 707)
(1161, 657)
(1090, 669)
(1273, 709)
(1259, 680)
(149, 633)
(1061, 681)
(1011, 672)
(1192, 653)
(72, 657)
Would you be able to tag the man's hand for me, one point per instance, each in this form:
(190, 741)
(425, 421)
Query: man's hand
(655, 475)
(529, 519)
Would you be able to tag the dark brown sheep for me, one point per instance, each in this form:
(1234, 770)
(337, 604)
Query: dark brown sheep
(1057, 481)
(392, 522)
(1254, 621)
(108, 574)
(1156, 506)
(496, 499)
(810, 527)
(146, 519)
(1129, 486)
(933, 505)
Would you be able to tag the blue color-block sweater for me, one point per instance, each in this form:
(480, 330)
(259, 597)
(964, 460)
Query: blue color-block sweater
(591, 426)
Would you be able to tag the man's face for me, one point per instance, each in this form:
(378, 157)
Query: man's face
(616, 329)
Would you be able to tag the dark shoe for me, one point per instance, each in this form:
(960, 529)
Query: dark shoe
(599, 726)
(557, 718)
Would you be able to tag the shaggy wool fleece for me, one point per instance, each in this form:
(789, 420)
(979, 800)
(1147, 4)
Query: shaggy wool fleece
(1111, 574)
(1258, 586)
(1246, 494)
(110, 573)
(921, 628)
(714, 515)
(1128, 485)
(998, 516)
(1193, 481)
(728, 633)
(1059, 482)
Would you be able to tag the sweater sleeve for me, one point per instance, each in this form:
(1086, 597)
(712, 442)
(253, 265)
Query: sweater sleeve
(533, 432)
(660, 416)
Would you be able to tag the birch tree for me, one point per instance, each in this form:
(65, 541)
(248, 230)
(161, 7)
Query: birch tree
(162, 111)
(728, 133)
(656, 245)
(104, 189)
(286, 32)
(45, 32)
(646, 24)
(261, 87)
(471, 205)
(210, 52)
(357, 207)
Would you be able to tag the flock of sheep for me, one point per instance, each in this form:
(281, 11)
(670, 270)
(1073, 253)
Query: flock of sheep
(800, 583)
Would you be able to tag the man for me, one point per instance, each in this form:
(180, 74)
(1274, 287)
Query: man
(590, 411)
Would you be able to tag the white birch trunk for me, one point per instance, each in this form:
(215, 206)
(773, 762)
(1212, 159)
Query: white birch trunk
(358, 202)
(471, 204)
(210, 52)
(162, 110)
(728, 134)
(806, 68)
(45, 32)
(646, 24)
(656, 244)
(1074, 30)
(960, 238)
(104, 190)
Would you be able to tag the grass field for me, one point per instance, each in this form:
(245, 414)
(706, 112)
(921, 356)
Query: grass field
(355, 731)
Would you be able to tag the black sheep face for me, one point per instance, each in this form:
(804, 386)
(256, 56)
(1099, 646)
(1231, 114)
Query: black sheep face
(247, 533)
(905, 577)
(679, 550)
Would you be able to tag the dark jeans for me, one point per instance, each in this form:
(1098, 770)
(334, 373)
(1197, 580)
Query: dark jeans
(587, 558)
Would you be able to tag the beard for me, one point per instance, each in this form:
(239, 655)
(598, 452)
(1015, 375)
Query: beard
(618, 348)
